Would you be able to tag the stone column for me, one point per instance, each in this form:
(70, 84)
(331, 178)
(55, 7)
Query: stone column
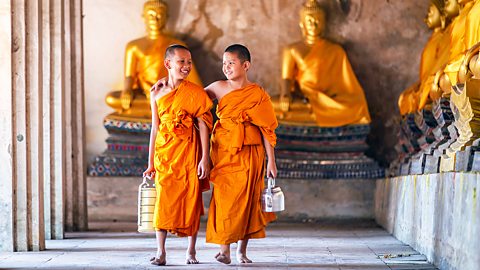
(42, 184)
(57, 120)
(47, 113)
(21, 180)
(76, 208)
(7, 203)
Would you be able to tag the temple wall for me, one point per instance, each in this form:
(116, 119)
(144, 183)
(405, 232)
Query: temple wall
(383, 39)
(437, 214)
(110, 198)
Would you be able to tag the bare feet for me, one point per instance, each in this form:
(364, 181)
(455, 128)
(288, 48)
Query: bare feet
(160, 259)
(223, 258)
(191, 259)
(242, 258)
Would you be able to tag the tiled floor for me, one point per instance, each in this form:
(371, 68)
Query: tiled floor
(288, 246)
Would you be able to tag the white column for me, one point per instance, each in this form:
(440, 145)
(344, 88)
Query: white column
(34, 98)
(47, 116)
(22, 217)
(41, 122)
(21, 213)
(68, 139)
(57, 182)
(81, 222)
(7, 202)
(75, 204)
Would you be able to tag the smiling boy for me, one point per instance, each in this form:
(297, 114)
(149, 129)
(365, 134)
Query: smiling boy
(179, 152)
(241, 137)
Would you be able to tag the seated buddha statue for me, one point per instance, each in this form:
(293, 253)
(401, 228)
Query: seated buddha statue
(458, 38)
(319, 86)
(439, 84)
(144, 65)
(409, 100)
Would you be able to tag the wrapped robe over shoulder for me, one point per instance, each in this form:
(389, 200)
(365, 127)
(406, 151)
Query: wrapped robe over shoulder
(177, 152)
(238, 157)
(326, 78)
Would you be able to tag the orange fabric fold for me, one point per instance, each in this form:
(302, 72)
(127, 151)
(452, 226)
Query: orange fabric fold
(177, 151)
(238, 157)
(327, 79)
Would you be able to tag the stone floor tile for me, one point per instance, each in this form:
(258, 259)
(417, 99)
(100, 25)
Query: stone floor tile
(287, 246)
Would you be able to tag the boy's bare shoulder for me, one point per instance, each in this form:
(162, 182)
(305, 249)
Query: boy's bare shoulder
(217, 85)
(215, 89)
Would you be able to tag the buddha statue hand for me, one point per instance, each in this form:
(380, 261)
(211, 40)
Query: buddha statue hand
(126, 98)
(471, 64)
(285, 103)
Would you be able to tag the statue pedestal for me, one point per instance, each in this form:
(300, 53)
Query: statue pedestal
(127, 147)
(447, 164)
(418, 164)
(312, 152)
(468, 159)
(432, 164)
(405, 168)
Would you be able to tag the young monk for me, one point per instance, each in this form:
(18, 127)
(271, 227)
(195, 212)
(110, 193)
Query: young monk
(179, 152)
(242, 135)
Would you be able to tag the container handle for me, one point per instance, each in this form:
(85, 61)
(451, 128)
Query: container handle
(271, 183)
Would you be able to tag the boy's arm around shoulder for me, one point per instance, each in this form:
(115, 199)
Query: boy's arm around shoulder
(214, 89)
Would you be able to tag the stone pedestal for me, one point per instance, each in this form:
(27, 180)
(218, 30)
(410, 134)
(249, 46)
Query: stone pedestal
(447, 164)
(418, 164)
(468, 159)
(311, 152)
(127, 148)
(432, 164)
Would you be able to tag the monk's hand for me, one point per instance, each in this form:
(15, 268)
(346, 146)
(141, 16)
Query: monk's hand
(126, 98)
(203, 168)
(159, 84)
(149, 172)
(285, 103)
(271, 169)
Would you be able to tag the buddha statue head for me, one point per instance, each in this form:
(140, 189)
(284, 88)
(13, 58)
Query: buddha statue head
(155, 16)
(434, 15)
(451, 9)
(312, 21)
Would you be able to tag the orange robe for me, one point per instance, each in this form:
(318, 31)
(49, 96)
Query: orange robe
(442, 50)
(472, 28)
(238, 157)
(458, 44)
(177, 151)
(327, 79)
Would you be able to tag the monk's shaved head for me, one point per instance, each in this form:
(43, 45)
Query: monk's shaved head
(241, 51)
(170, 52)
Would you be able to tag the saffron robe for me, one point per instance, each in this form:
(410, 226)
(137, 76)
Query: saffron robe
(238, 157)
(326, 78)
(179, 202)
(457, 41)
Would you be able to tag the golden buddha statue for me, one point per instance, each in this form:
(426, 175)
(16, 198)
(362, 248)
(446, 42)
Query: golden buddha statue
(411, 99)
(319, 86)
(457, 40)
(144, 65)
(439, 83)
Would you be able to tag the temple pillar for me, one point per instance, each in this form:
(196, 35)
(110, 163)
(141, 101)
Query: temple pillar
(21, 181)
(7, 203)
(54, 115)
(42, 184)
(76, 206)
